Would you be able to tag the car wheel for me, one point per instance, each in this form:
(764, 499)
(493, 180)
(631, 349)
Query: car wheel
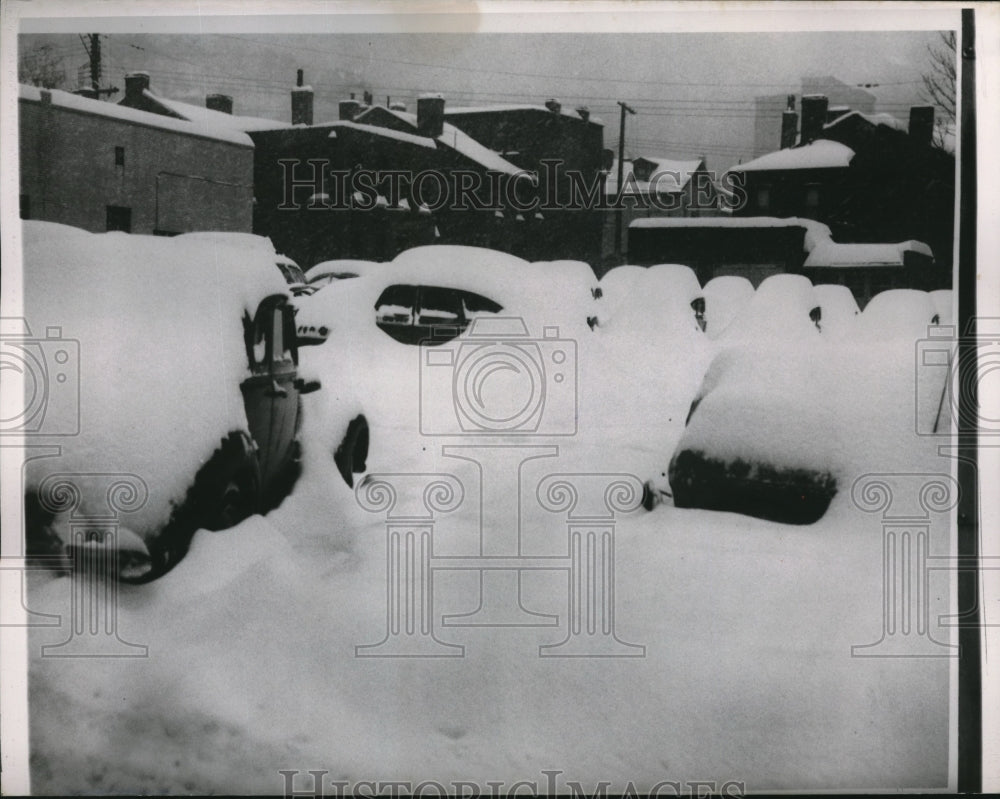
(352, 453)
(226, 490)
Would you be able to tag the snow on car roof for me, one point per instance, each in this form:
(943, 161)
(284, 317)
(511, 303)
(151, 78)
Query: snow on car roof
(730, 222)
(123, 113)
(820, 154)
(903, 314)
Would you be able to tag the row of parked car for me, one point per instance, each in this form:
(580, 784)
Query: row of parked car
(203, 325)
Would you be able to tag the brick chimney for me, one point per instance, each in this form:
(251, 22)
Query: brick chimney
(135, 84)
(302, 102)
(348, 109)
(430, 115)
(789, 124)
(813, 116)
(922, 123)
(219, 102)
(584, 113)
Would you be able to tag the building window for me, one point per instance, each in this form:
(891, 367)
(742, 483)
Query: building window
(119, 156)
(812, 196)
(764, 198)
(25, 206)
(119, 218)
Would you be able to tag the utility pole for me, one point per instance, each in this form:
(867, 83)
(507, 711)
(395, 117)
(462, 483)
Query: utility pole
(95, 63)
(92, 44)
(621, 175)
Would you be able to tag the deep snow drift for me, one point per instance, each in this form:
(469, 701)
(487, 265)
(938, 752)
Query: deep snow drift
(747, 673)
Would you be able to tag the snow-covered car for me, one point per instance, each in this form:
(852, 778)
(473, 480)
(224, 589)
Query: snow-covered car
(326, 272)
(646, 296)
(839, 309)
(186, 385)
(783, 308)
(755, 436)
(289, 269)
(725, 298)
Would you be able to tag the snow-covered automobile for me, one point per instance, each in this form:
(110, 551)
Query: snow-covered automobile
(289, 269)
(326, 272)
(754, 440)
(725, 298)
(186, 386)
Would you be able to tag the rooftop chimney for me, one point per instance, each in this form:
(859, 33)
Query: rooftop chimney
(135, 84)
(349, 109)
(813, 116)
(836, 112)
(553, 105)
(397, 106)
(922, 123)
(302, 102)
(789, 124)
(430, 115)
(584, 112)
(219, 102)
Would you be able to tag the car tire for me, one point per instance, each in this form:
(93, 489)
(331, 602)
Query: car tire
(226, 490)
(352, 453)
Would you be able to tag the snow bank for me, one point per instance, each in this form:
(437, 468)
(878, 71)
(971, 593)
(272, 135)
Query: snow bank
(158, 324)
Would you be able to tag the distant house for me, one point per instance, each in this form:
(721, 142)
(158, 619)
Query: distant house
(656, 187)
(750, 247)
(758, 247)
(101, 166)
(869, 177)
(559, 145)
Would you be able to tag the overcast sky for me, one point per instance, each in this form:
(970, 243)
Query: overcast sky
(693, 91)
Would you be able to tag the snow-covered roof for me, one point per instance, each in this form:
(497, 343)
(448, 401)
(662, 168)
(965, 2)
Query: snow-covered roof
(829, 253)
(487, 109)
(875, 119)
(668, 176)
(388, 133)
(820, 154)
(462, 143)
(208, 116)
(123, 113)
(818, 228)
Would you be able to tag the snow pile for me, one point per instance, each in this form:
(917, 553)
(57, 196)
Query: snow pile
(159, 327)
(725, 298)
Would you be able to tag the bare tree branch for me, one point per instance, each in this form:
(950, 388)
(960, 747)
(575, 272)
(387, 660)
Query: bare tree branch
(41, 67)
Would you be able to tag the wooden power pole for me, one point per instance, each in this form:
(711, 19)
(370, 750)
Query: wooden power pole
(621, 175)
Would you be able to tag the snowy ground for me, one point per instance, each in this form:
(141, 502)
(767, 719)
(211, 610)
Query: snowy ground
(747, 673)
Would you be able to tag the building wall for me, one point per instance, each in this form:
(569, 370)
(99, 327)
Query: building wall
(172, 182)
